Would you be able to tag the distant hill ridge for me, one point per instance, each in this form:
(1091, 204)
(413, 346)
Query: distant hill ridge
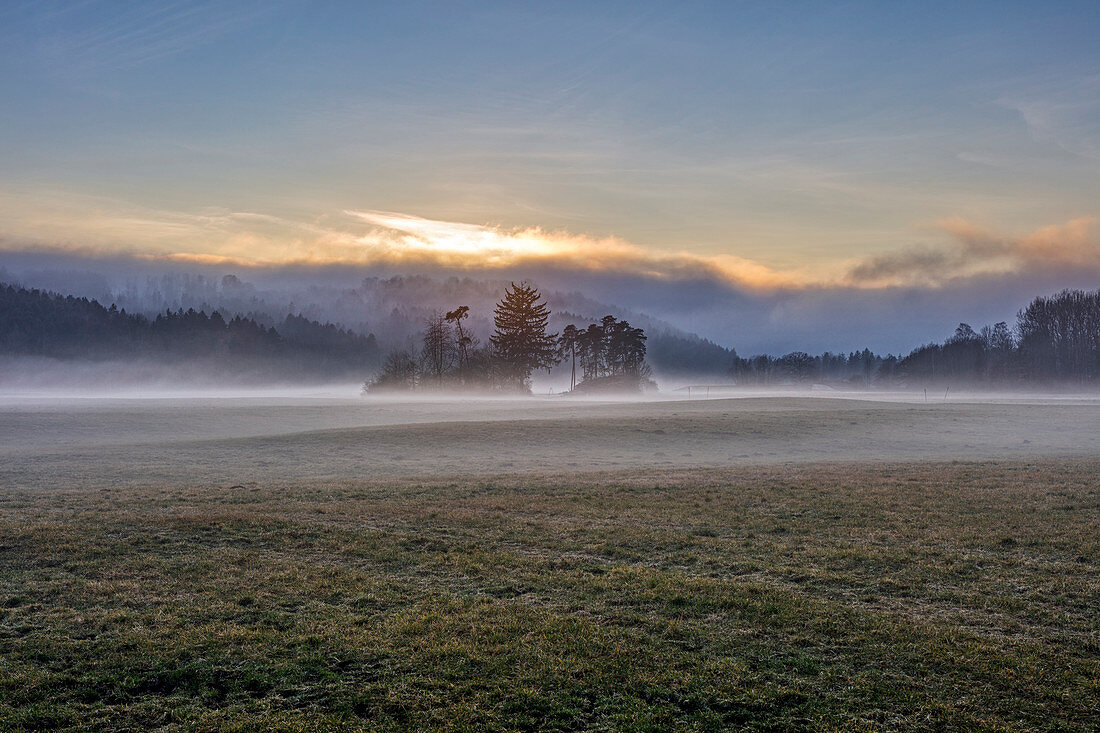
(39, 323)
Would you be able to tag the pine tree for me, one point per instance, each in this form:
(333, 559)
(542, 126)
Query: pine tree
(567, 347)
(520, 342)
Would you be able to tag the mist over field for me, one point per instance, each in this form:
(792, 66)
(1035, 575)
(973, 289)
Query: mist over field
(307, 434)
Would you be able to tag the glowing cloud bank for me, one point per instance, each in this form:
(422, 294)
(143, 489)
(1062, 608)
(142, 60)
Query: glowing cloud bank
(954, 249)
(412, 240)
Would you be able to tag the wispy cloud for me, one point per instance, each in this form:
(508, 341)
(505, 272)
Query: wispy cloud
(94, 36)
(1066, 115)
(975, 251)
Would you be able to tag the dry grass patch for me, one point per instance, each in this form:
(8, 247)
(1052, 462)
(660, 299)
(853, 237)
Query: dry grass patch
(910, 596)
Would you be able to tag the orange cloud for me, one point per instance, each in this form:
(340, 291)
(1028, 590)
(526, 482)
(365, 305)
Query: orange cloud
(361, 238)
(364, 238)
(976, 250)
(1072, 242)
(403, 239)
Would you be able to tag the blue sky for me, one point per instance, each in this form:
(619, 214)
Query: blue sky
(860, 145)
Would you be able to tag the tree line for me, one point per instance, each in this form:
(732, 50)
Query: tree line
(1056, 339)
(610, 354)
(38, 323)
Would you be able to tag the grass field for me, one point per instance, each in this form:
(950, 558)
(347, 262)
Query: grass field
(942, 595)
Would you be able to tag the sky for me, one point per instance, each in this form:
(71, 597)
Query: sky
(844, 151)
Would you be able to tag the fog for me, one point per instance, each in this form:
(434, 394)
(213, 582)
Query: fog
(236, 438)
(30, 375)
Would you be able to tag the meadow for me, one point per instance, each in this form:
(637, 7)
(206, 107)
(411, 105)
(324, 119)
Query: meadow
(737, 581)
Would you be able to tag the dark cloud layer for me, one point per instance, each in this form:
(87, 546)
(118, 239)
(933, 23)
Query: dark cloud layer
(811, 318)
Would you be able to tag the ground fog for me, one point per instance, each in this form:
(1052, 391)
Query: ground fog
(235, 438)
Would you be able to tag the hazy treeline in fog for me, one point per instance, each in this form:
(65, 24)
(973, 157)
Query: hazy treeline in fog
(36, 323)
(392, 310)
(328, 332)
(1056, 339)
(610, 354)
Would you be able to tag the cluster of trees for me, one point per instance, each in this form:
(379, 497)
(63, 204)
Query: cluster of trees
(33, 322)
(1059, 336)
(1056, 339)
(450, 356)
(607, 351)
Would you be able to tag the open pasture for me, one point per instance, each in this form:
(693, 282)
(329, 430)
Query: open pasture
(781, 565)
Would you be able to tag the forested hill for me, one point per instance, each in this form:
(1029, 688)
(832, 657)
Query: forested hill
(38, 323)
(687, 354)
(393, 308)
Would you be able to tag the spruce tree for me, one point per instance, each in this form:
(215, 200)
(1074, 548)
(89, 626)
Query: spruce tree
(520, 342)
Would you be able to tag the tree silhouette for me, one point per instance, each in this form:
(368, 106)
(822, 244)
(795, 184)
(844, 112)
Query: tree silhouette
(520, 342)
(399, 372)
(567, 344)
(591, 345)
(464, 339)
(608, 349)
(438, 350)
